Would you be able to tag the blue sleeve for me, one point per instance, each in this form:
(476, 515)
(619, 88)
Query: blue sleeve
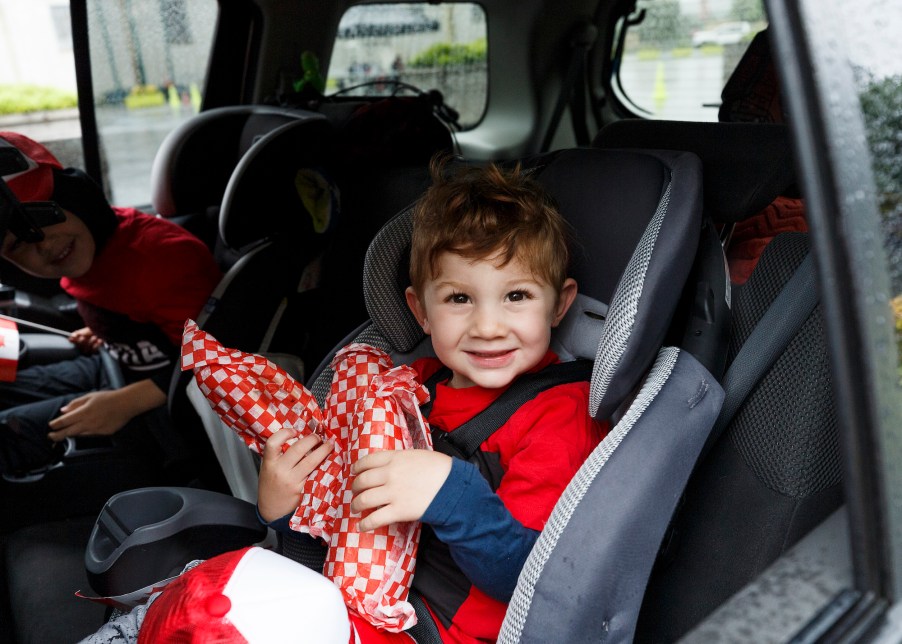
(488, 544)
(280, 525)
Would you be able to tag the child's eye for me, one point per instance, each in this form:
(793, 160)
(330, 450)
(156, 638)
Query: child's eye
(458, 298)
(518, 296)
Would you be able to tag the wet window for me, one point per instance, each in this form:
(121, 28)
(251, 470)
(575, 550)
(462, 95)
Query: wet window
(149, 62)
(385, 49)
(678, 54)
(878, 74)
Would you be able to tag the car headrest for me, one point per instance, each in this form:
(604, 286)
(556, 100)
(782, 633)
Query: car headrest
(636, 217)
(281, 186)
(746, 165)
(194, 162)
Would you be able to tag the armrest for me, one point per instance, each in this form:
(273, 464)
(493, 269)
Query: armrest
(43, 348)
(148, 534)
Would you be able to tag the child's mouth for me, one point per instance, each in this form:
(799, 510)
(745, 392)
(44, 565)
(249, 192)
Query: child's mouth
(64, 253)
(491, 358)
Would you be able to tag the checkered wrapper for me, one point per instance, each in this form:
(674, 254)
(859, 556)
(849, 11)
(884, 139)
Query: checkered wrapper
(372, 406)
(250, 394)
(374, 569)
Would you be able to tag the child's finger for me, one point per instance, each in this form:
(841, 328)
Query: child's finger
(299, 449)
(370, 499)
(377, 519)
(272, 448)
(374, 459)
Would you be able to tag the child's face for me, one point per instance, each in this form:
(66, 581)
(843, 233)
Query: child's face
(488, 324)
(67, 250)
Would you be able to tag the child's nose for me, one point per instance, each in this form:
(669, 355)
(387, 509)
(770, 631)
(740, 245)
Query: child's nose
(488, 323)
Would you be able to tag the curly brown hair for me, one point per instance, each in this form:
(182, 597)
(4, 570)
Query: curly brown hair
(477, 212)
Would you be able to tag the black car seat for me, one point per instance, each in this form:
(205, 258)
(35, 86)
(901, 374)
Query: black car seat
(196, 160)
(774, 471)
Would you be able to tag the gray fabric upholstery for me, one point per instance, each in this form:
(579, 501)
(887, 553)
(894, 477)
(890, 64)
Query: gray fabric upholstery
(586, 574)
(774, 474)
(746, 165)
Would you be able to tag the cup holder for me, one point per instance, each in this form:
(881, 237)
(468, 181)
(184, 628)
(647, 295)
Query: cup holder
(143, 536)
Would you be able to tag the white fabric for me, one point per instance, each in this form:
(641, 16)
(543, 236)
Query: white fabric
(275, 599)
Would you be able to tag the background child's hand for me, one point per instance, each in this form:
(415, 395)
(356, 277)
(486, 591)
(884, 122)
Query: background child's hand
(98, 413)
(282, 475)
(397, 485)
(85, 340)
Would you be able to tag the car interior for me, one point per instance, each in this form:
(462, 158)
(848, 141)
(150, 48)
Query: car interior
(724, 451)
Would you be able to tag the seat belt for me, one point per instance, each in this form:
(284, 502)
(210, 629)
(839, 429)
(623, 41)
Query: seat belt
(467, 438)
(767, 341)
(580, 44)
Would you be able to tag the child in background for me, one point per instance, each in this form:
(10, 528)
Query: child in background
(135, 279)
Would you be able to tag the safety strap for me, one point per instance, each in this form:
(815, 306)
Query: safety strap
(467, 438)
(768, 340)
(573, 87)
(424, 631)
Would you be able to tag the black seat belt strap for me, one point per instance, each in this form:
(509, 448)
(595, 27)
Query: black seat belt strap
(580, 43)
(424, 631)
(768, 340)
(468, 437)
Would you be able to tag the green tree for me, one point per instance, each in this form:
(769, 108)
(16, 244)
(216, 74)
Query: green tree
(444, 54)
(881, 105)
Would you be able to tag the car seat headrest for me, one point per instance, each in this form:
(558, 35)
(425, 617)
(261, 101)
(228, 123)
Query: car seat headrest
(636, 217)
(281, 186)
(746, 165)
(194, 162)
(579, 332)
(752, 93)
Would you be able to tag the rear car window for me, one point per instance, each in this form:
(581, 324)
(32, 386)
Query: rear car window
(678, 54)
(387, 49)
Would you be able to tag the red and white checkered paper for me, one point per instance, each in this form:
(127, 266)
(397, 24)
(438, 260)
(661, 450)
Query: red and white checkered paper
(372, 406)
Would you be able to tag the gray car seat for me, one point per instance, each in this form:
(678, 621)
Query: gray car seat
(774, 470)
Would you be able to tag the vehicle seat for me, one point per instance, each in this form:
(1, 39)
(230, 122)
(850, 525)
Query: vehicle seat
(195, 161)
(774, 471)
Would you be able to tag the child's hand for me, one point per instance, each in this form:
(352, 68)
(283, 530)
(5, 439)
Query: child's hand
(85, 340)
(283, 475)
(397, 485)
(97, 413)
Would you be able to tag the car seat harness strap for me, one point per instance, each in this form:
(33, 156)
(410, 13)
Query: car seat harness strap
(464, 441)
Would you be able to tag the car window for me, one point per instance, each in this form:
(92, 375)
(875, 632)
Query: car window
(879, 83)
(37, 83)
(678, 54)
(148, 62)
(380, 49)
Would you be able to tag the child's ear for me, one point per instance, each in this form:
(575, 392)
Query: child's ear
(564, 300)
(417, 308)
